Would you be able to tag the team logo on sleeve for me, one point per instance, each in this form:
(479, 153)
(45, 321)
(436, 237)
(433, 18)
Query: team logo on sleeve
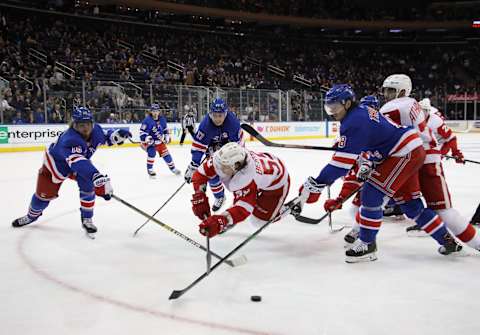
(77, 150)
(200, 135)
(373, 114)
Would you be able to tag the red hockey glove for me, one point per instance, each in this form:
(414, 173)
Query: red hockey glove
(213, 225)
(332, 204)
(200, 205)
(458, 156)
(103, 187)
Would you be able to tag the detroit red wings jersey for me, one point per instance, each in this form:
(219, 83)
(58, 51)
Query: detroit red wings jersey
(406, 111)
(441, 132)
(263, 172)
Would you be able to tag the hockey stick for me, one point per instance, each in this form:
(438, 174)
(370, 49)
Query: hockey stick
(166, 202)
(178, 293)
(233, 262)
(308, 220)
(249, 129)
(158, 210)
(465, 160)
(134, 142)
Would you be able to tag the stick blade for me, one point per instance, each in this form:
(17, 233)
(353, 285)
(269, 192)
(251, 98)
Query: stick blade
(175, 294)
(237, 261)
(305, 219)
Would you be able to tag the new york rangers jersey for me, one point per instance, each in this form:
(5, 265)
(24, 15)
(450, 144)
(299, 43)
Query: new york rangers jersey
(263, 172)
(209, 138)
(363, 129)
(71, 154)
(154, 128)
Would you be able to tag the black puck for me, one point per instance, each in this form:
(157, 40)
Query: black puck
(256, 298)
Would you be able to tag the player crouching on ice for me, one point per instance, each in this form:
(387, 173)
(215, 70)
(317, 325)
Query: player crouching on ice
(259, 182)
(69, 157)
(395, 156)
(154, 135)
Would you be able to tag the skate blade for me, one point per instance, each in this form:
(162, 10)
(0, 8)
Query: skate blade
(367, 258)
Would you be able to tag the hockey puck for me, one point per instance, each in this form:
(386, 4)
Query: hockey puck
(256, 298)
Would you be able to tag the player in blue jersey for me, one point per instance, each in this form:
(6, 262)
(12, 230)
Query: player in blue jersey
(154, 135)
(69, 157)
(216, 129)
(391, 156)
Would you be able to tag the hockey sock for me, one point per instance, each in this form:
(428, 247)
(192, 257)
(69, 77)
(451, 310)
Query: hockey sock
(460, 227)
(426, 219)
(370, 222)
(217, 189)
(87, 202)
(168, 159)
(36, 208)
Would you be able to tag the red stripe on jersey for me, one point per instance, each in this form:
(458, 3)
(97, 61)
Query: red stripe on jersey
(405, 142)
(198, 146)
(395, 116)
(344, 160)
(422, 125)
(432, 151)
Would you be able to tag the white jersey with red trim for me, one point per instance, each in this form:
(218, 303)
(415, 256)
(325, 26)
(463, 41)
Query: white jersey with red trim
(406, 111)
(440, 131)
(263, 172)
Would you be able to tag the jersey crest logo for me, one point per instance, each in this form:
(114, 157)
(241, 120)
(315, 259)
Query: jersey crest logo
(241, 193)
(373, 115)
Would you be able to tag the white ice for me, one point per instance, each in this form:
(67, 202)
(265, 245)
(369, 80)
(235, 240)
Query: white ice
(56, 281)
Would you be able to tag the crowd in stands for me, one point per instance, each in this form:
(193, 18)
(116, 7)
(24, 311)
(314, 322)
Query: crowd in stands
(102, 52)
(346, 9)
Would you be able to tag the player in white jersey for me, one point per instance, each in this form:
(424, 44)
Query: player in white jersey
(443, 135)
(259, 181)
(435, 188)
(406, 111)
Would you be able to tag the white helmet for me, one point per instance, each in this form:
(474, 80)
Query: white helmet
(399, 82)
(425, 104)
(186, 107)
(229, 155)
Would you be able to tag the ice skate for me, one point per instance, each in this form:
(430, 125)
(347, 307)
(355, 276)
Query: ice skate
(218, 203)
(22, 221)
(175, 171)
(351, 237)
(90, 228)
(450, 246)
(152, 174)
(361, 252)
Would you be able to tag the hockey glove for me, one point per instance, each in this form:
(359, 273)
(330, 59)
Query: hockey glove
(332, 204)
(213, 225)
(166, 138)
(365, 170)
(458, 156)
(119, 136)
(309, 193)
(103, 187)
(200, 205)
(192, 167)
(148, 141)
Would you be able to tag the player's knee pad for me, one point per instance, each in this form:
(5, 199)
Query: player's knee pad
(455, 222)
(413, 208)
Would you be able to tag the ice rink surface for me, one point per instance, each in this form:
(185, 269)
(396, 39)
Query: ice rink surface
(54, 280)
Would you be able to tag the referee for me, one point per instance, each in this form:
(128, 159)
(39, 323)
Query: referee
(188, 123)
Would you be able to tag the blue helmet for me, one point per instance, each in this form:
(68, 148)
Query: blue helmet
(82, 114)
(370, 101)
(339, 93)
(154, 108)
(218, 106)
